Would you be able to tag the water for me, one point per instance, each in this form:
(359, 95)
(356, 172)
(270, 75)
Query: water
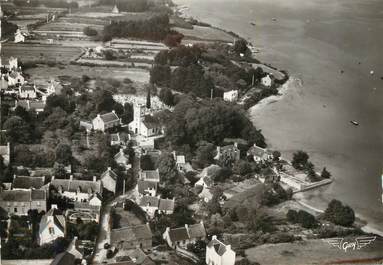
(314, 40)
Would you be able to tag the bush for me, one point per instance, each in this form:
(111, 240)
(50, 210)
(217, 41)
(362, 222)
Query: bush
(90, 31)
(339, 214)
(306, 219)
(292, 216)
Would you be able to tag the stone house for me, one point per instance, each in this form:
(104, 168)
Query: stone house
(228, 154)
(122, 159)
(76, 190)
(259, 154)
(19, 202)
(151, 205)
(230, 96)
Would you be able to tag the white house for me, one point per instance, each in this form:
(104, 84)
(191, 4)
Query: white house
(182, 236)
(151, 205)
(19, 36)
(109, 180)
(52, 226)
(15, 78)
(5, 152)
(27, 92)
(267, 81)
(106, 121)
(217, 253)
(180, 161)
(259, 154)
(230, 96)
(122, 159)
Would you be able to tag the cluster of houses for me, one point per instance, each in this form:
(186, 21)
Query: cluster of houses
(29, 96)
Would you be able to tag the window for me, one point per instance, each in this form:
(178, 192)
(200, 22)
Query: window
(51, 231)
(15, 210)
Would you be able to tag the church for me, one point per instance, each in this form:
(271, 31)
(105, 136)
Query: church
(144, 123)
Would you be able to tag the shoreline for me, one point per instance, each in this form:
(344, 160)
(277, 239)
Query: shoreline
(282, 91)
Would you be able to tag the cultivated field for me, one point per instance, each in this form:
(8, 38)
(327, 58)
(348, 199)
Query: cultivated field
(134, 74)
(36, 52)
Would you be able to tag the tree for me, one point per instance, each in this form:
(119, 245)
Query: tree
(300, 160)
(109, 55)
(148, 99)
(292, 216)
(146, 163)
(64, 154)
(276, 155)
(306, 219)
(160, 75)
(325, 173)
(167, 168)
(59, 170)
(339, 214)
(17, 130)
(240, 46)
(242, 167)
(166, 96)
(127, 116)
(205, 154)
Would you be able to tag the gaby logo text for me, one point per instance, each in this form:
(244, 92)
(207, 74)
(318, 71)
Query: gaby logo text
(347, 244)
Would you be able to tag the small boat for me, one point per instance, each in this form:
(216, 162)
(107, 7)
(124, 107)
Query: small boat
(354, 123)
(372, 72)
(341, 71)
(274, 19)
(252, 23)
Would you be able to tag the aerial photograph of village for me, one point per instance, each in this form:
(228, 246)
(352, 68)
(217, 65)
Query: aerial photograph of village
(191, 132)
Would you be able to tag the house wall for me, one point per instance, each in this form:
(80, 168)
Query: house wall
(46, 237)
(109, 183)
(98, 124)
(22, 208)
(144, 244)
(76, 196)
(212, 258)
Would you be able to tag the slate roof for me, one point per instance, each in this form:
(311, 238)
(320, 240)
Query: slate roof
(219, 247)
(109, 117)
(131, 233)
(197, 230)
(151, 122)
(74, 184)
(150, 175)
(144, 185)
(64, 258)
(166, 205)
(178, 234)
(22, 195)
(109, 172)
(27, 182)
(58, 219)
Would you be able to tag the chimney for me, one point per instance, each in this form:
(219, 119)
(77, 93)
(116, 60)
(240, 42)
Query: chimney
(174, 155)
(228, 247)
(255, 145)
(52, 178)
(214, 237)
(98, 116)
(54, 206)
(94, 178)
(114, 111)
(236, 145)
(71, 177)
(187, 226)
(109, 168)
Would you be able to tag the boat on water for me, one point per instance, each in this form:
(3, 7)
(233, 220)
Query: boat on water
(252, 23)
(354, 123)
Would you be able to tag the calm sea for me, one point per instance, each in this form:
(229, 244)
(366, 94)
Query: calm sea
(314, 41)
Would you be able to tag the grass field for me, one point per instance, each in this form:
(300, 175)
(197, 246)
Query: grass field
(46, 52)
(134, 74)
(205, 33)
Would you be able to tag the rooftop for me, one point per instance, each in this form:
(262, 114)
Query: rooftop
(131, 233)
(109, 117)
(144, 185)
(72, 185)
(27, 182)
